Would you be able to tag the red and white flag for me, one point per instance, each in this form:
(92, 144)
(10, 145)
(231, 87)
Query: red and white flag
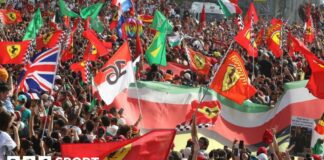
(115, 75)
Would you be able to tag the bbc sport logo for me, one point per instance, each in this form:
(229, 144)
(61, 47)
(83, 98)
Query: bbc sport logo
(49, 158)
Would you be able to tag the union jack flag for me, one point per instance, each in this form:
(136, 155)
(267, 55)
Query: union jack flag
(39, 72)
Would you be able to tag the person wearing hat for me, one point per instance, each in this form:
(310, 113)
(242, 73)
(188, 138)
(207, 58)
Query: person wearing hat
(5, 99)
(25, 112)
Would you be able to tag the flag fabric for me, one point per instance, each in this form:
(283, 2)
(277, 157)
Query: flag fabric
(146, 18)
(229, 8)
(67, 53)
(35, 24)
(245, 39)
(65, 11)
(14, 52)
(317, 138)
(198, 62)
(231, 81)
(309, 33)
(174, 40)
(206, 115)
(156, 52)
(139, 48)
(161, 23)
(82, 67)
(10, 16)
(91, 53)
(49, 40)
(202, 20)
(132, 149)
(314, 85)
(91, 11)
(39, 73)
(116, 19)
(251, 12)
(259, 38)
(93, 39)
(274, 37)
(115, 75)
(125, 5)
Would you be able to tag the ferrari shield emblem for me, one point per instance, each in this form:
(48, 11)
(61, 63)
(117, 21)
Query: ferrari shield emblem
(230, 78)
(13, 50)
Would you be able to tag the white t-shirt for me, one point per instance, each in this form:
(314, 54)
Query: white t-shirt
(6, 140)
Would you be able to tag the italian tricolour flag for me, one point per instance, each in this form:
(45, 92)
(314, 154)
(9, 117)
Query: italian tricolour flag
(229, 8)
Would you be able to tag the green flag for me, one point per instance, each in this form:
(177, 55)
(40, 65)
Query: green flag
(156, 52)
(91, 11)
(65, 11)
(159, 20)
(35, 24)
(97, 25)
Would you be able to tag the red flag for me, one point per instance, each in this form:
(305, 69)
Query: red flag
(91, 53)
(315, 83)
(114, 22)
(82, 67)
(14, 52)
(68, 52)
(87, 24)
(139, 48)
(207, 112)
(49, 40)
(251, 12)
(10, 16)
(92, 37)
(244, 39)
(319, 128)
(198, 62)
(202, 19)
(259, 38)
(309, 34)
(274, 37)
(231, 81)
(133, 149)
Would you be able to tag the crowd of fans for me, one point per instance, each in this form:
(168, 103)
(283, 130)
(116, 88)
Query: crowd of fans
(69, 114)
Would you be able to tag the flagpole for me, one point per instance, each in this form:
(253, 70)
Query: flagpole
(210, 80)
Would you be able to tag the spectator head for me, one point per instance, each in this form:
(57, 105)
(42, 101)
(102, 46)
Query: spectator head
(203, 143)
(174, 155)
(84, 139)
(262, 150)
(105, 121)
(114, 121)
(4, 91)
(113, 111)
(90, 126)
(125, 131)
(22, 99)
(59, 124)
(67, 139)
(30, 152)
(3, 75)
(5, 121)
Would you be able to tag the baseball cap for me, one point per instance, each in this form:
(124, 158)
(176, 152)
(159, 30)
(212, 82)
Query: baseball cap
(22, 98)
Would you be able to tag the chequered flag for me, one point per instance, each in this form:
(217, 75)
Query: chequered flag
(240, 22)
(187, 127)
(88, 72)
